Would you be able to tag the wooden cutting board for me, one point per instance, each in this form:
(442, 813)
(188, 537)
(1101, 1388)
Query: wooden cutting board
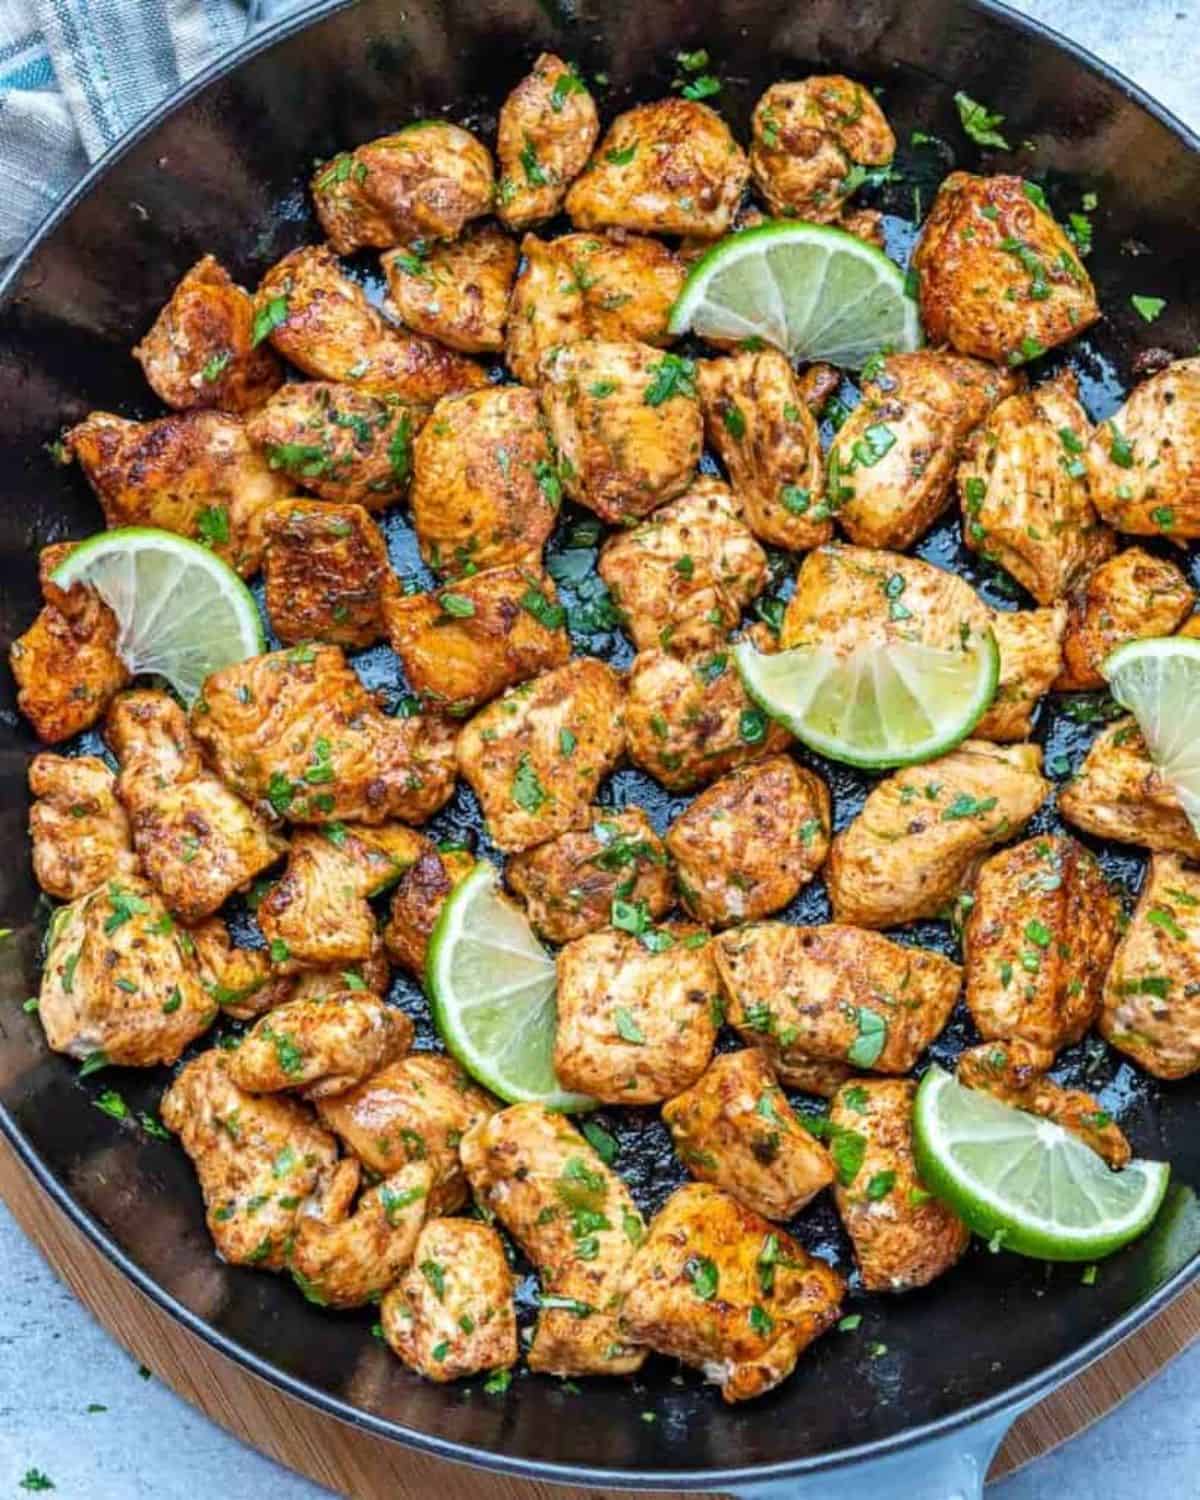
(357, 1465)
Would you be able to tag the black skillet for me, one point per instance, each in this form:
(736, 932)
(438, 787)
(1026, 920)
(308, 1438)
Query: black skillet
(917, 1396)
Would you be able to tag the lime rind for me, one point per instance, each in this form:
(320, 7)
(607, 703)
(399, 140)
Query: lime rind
(1158, 680)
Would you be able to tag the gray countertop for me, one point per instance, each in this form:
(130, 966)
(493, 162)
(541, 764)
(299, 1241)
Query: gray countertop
(73, 1405)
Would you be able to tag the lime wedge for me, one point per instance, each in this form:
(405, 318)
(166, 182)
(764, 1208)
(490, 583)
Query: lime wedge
(1025, 1183)
(492, 986)
(815, 292)
(182, 613)
(877, 706)
(1158, 680)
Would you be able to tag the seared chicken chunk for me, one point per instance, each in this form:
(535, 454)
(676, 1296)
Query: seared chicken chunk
(908, 852)
(417, 903)
(569, 885)
(241, 981)
(326, 572)
(735, 1128)
(1131, 595)
(373, 973)
(683, 577)
(670, 167)
(576, 1222)
(485, 632)
(298, 729)
(548, 126)
(535, 757)
(79, 830)
(1030, 642)
(1118, 794)
(748, 843)
(455, 293)
(1144, 463)
(903, 1236)
(998, 277)
(723, 1289)
(1038, 941)
(485, 488)
(626, 424)
(320, 1047)
(202, 351)
(452, 1315)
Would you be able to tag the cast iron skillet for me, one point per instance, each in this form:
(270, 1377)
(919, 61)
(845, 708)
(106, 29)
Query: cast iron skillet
(223, 169)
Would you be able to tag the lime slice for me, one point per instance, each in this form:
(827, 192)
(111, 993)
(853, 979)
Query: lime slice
(182, 613)
(881, 705)
(815, 292)
(1158, 680)
(492, 987)
(1024, 1182)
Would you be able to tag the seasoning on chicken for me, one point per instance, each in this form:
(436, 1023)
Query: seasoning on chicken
(670, 167)
(833, 994)
(320, 1047)
(723, 1289)
(682, 578)
(750, 842)
(536, 756)
(485, 632)
(372, 973)
(298, 730)
(903, 1236)
(548, 126)
(1030, 642)
(1131, 595)
(426, 181)
(1144, 463)
(456, 293)
(79, 829)
(452, 1314)
(1037, 943)
(908, 852)
(576, 1222)
(485, 488)
(626, 424)
(242, 981)
(734, 1127)
(757, 419)
(326, 572)
(417, 903)
(1117, 793)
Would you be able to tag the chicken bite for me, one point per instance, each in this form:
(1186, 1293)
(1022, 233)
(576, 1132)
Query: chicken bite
(574, 1219)
(241, 981)
(1133, 594)
(721, 1288)
(202, 350)
(326, 572)
(1118, 793)
(418, 901)
(373, 973)
(548, 126)
(1144, 463)
(1030, 642)
(457, 293)
(78, 828)
(998, 277)
(320, 1047)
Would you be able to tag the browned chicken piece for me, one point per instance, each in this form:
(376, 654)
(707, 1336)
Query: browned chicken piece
(262, 1161)
(426, 181)
(735, 1128)
(415, 1110)
(547, 308)
(321, 321)
(670, 167)
(1022, 483)
(485, 488)
(79, 830)
(457, 293)
(548, 126)
(535, 757)
(317, 915)
(891, 465)
(326, 572)
(750, 842)
(903, 1236)
(1030, 642)
(418, 902)
(195, 473)
(637, 1020)
(626, 424)
(320, 1047)
(757, 419)
(911, 848)
(998, 277)
(119, 980)
(866, 224)
(373, 973)
(1117, 793)
(1151, 1004)
(241, 981)
(202, 349)
(1037, 944)
(683, 577)
(576, 1222)
(689, 719)
(342, 444)
(1144, 463)
(1015, 1073)
(297, 729)
(197, 841)
(484, 632)
(1190, 627)
(833, 994)
(726, 1291)
(569, 885)
(452, 1315)
(1131, 595)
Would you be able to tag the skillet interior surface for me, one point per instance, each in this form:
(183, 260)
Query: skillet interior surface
(226, 172)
